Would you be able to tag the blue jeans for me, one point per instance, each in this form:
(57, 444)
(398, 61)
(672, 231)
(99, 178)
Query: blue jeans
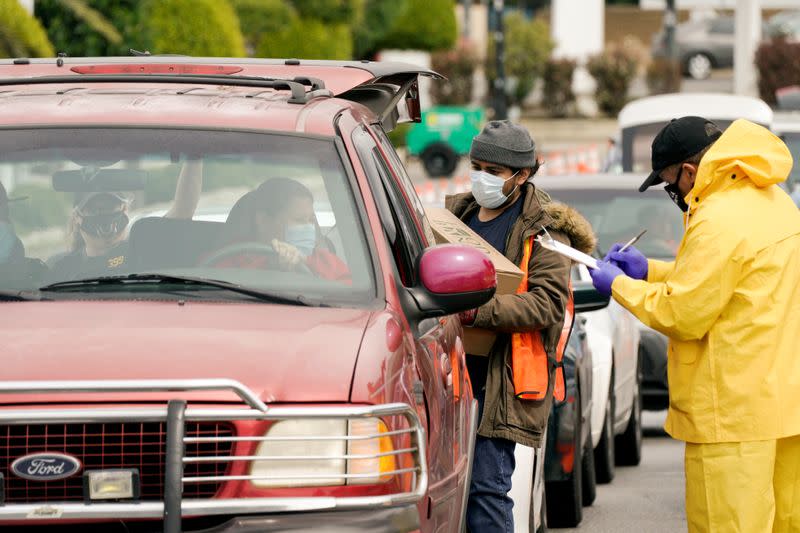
(490, 509)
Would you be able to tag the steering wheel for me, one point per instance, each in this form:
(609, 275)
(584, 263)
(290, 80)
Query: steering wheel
(248, 248)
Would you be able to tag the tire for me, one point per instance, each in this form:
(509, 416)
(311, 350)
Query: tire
(565, 498)
(629, 444)
(698, 65)
(604, 454)
(439, 159)
(589, 481)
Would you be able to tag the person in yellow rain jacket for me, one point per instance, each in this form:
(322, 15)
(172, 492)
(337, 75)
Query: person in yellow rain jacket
(730, 304)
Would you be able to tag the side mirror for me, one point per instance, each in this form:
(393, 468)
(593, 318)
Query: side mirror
(453, 278)
(587, 298)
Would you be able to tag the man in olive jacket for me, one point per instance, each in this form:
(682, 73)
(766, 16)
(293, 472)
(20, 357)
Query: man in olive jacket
(505, 208)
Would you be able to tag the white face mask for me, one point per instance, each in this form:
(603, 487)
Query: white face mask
(488, 189)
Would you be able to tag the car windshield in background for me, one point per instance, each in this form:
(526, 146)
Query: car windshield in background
(268, 212)
(792, 140)
(619, 215)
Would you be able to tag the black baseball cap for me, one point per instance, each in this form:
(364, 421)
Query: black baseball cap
(678, 141)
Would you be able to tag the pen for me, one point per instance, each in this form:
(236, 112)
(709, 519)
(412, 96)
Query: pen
(630, 242)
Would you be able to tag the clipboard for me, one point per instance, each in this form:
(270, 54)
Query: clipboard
(559, 247)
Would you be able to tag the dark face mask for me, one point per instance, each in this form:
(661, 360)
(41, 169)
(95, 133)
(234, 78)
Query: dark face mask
(675, 194)
(104, 225)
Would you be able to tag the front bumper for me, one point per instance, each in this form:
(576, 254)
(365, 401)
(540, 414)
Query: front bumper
(175, 506)
(394, 520)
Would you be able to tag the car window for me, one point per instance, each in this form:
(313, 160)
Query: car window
(792, 140)
(723, 25)
(407, 244)
(617, 216)
(638, 141)
(265, 211)
(406, 183)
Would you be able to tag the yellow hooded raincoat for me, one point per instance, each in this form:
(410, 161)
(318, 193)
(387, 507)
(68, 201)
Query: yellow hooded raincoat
(730, 302)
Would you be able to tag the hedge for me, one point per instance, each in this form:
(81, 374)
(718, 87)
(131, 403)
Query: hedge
(21, 35)
(191, 27)
(778, 64)
(308, 39)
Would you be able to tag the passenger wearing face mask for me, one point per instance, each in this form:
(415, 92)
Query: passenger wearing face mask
(16, 270)
(274, 227)
(98, 228)
(507, 210)
(730, 305)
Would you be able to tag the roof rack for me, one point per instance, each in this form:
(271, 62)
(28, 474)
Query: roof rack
(297, 85)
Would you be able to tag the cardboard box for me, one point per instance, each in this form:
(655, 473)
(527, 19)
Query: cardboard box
(448, 229)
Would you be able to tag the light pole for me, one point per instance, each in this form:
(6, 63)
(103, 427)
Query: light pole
(670, 20)
(499, 86)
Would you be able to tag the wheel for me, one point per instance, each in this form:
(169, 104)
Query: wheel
(629, 444)
(698, 65)
(589, 484)
(439, 159)
(604, 454)
(565, 498)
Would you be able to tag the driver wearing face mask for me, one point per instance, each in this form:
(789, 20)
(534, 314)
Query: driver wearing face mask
(275, 227)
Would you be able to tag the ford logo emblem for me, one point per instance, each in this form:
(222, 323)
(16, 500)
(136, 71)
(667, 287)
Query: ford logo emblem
(45, 466)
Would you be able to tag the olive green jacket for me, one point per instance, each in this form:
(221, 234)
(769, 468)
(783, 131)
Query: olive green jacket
(541, 308)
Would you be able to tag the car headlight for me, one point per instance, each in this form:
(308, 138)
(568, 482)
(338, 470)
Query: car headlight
(320, 452)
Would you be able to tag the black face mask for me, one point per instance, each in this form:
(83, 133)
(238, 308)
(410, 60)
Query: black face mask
(675, 194)
(104, 225)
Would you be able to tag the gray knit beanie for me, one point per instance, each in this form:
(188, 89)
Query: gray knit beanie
(504, 143)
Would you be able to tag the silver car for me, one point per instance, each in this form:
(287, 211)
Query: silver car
(701, 45)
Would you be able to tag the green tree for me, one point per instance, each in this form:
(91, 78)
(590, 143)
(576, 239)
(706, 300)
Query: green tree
(192, 27)
(528, 47)
(330, 11)
(21, 35)
(376, 22)
(308, 39)
(90, 28)
(263, 20)
(408, 24)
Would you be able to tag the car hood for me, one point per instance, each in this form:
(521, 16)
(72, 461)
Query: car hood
(282, 353)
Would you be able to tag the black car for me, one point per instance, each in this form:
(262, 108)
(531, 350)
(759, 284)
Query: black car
(569, 458)
(617, 212)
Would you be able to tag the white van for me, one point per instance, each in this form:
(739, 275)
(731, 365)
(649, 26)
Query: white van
(641, 120)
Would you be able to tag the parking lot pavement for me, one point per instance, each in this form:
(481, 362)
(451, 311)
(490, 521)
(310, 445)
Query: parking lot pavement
(648, 497)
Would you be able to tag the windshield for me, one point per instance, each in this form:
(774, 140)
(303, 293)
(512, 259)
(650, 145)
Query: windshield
(269, 212)
(619, 215)
(637, 142)
(792, 140)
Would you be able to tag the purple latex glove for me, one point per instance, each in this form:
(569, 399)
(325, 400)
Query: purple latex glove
(604, 276)
(631, 261)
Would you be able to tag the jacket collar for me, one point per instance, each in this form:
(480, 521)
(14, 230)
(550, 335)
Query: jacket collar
(533, 218)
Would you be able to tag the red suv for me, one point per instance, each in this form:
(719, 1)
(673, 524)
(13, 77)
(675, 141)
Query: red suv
(224, 308)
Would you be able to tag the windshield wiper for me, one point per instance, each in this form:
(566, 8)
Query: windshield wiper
(184, 280)
(20, 296)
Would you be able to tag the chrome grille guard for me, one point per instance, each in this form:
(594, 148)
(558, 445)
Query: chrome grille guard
(175, 413)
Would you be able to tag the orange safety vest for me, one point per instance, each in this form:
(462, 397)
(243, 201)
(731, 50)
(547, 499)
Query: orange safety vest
(528, 356)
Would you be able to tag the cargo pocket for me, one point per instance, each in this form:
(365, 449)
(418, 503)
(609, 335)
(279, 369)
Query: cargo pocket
(527, 415)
